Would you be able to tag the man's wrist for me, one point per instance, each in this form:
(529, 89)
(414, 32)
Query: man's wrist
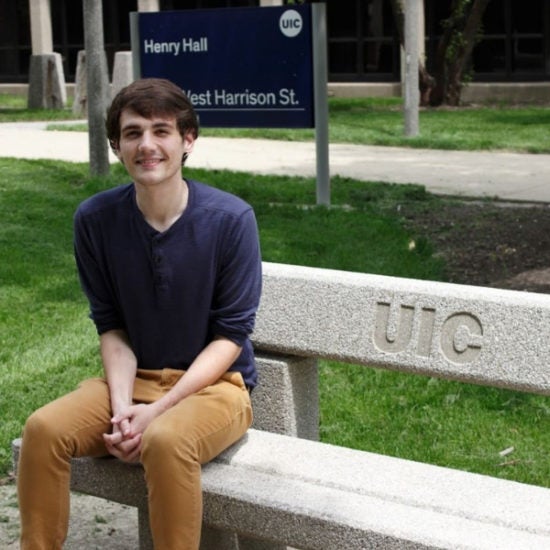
(118, 406)
(161, 405)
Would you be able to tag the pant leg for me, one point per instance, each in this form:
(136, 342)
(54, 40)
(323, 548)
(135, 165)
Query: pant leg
(176, 444)
(67, 427)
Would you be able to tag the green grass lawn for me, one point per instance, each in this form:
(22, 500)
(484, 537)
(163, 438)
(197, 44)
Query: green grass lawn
(47, 343)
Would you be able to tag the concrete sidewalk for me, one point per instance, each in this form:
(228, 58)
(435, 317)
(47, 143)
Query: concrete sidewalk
(508, 176)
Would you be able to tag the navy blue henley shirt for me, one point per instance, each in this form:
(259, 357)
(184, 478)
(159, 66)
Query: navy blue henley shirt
(172, 292)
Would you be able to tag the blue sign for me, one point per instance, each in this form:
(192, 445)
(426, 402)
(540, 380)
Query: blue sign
(240, 67)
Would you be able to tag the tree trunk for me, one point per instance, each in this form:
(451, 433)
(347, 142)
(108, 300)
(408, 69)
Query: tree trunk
(470, 39)
(440, 72)
(454, 51)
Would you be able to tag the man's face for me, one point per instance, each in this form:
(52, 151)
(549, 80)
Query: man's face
(152, 149)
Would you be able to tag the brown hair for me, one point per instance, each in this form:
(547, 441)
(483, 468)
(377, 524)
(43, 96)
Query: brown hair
(149, 97)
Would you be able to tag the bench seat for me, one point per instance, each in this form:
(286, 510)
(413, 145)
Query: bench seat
(316, 496)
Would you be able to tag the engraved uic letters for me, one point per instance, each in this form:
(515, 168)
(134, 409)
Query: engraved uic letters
(392, 339)
(460, 338)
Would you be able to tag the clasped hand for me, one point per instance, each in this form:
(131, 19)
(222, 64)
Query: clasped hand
(124, 442)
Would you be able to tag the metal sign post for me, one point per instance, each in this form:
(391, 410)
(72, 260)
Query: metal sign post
(320, 72)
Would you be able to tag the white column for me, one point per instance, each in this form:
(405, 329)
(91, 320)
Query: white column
(41, 27)
(46, 78)
(148, 5)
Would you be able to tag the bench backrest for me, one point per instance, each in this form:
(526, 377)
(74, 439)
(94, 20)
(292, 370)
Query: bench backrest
(479, 335)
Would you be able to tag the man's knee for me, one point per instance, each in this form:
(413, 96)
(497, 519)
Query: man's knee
(40, 429)
(159, 440)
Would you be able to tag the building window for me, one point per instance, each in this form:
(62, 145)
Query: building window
(362, 44)
(15, 41)
(515, 44)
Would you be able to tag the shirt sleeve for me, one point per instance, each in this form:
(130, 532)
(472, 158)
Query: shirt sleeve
(239, 283)
(93, 275)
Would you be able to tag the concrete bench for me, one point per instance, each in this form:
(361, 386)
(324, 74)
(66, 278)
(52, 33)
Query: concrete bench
(280, 487)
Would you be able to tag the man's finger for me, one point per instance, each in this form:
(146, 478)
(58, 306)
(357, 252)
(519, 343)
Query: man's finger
(113, 438)
(124, 426)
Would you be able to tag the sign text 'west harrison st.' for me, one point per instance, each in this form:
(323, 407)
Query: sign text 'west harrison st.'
(285, 97)
(185, 45)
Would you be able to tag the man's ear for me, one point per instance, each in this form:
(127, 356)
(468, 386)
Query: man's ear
(189, 142)
(116, 150)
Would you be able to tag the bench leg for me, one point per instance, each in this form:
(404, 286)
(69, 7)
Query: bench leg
(287, 399)
(145, 538)
(211, 539)
(219, 539)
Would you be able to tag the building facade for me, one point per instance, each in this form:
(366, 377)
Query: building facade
(362, 39)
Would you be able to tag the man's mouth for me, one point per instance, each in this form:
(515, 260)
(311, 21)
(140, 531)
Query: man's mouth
(149, 162)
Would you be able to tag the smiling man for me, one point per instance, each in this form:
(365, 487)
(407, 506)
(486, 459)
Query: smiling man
(172, 271)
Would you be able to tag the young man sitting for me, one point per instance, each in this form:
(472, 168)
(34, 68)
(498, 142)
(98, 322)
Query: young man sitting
(172, 271)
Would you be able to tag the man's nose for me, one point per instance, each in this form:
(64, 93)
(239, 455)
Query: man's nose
(146, 141)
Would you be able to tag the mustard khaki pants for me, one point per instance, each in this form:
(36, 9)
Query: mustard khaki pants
(174, 446)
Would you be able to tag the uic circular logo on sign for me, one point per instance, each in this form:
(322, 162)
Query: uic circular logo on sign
(290, 23)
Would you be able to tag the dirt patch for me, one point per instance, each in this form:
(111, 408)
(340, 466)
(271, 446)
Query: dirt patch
(94, 524)
(502, 245)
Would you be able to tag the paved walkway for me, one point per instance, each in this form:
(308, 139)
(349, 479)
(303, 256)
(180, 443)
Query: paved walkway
(508, 176)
